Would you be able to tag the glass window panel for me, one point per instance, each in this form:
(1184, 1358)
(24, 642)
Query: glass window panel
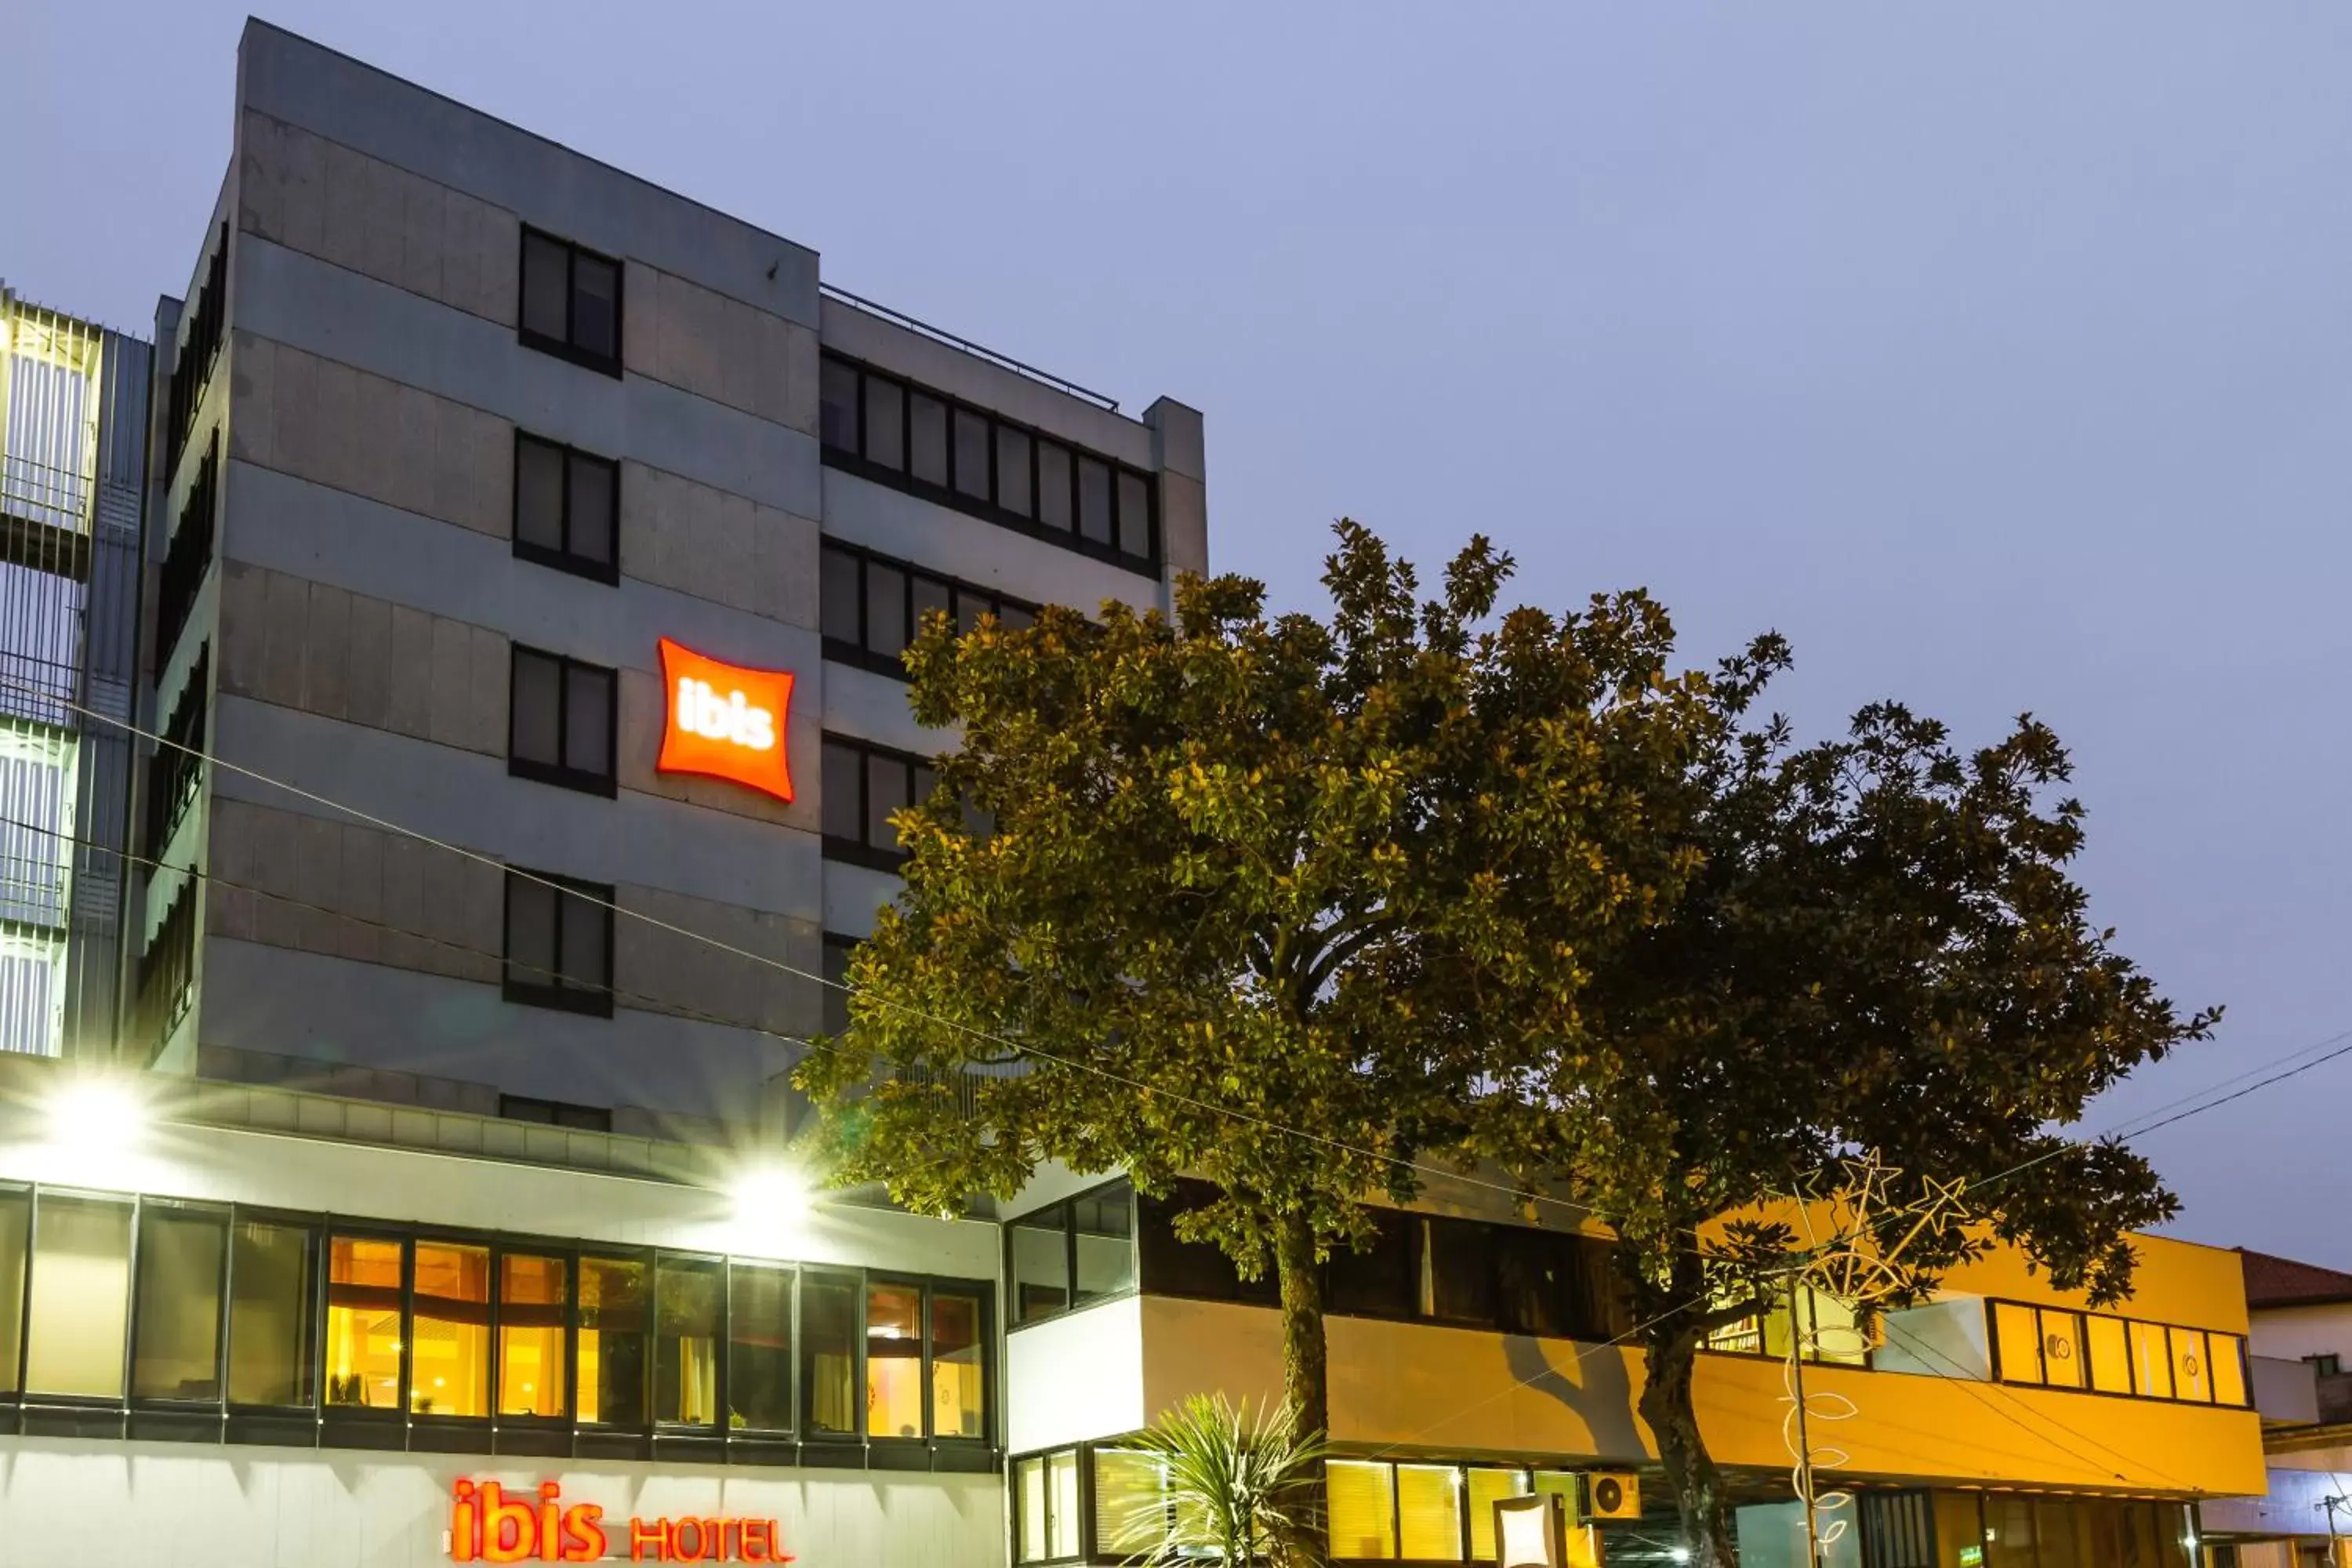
(2108, 1354)
(969, 607)
(2017, 1343)
(609, 1368)
(1054, 503)
(927, 438)
(844, 774)
(1041, 1266)
(449, 1345)
(2009, 1531)
(925, 778)
(1012, 469)
(1362, 1509)
(759, 1347)
(2062, 1532)
(838, 594)
(537, 701)
(538, 493)
(1094, 499)
(836, 393)
(894, 1361)
(1015, 618)
(885, 422)
(177, 1353)
(364, 1284)
(1486, 1488)
(2064, 1360)
(546, 287)
(1030, 1526)
(959, 1403)
(1134, 513)
(886, 609)
(2228, 1368)
(271, 1319)
(1429, 1513)
(2192, 1374)
(1171, 1266)
(2151, 1360)
(1130, 1503)
(1458, 1270)
(586, 925)
(1062, 1489)
(1376, 1280)
(596, 306)
(970, 454)
(589, 533)
(1106, 1242)
(685, 1339)
(1535, 1279)
(533, 1302)
(836, 995)
(16, 1234)
(82, 1297)
(588, 720)
(1960, 1529)
(887, 783)
(829, 1356)
(531, 931)
(1837, 1336)
(931, 595)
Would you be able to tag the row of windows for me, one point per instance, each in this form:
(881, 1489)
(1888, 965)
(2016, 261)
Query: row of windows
(2103, 1355)
(189, 556)
(1516, 1279)
(1830, 1331)
(928, 443)
(176, 768)
(180, 1306)
(873, 607)
(862, 785)
(167, 968)
(192, 367)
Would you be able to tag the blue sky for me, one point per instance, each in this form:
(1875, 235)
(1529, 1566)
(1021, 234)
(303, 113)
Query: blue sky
(2000, 356)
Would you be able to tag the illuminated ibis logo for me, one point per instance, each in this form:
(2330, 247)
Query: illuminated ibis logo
(725, 720)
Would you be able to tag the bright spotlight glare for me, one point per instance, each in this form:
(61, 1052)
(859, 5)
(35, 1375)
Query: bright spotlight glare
(99, 1113)
(1680, 1554)
(772, 1195)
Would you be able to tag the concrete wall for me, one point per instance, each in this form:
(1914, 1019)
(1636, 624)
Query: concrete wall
(1075, 1377)
(2291, 1333)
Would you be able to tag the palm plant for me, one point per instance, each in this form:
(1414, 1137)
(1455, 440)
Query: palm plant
(1236, 1485)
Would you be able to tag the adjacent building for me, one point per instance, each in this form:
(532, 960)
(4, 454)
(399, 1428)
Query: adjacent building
(2301, 1338)
(518, 714)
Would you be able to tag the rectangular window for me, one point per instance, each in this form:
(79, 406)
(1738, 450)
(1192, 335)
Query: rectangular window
(885, 611)
(1058, 505)
(1094, 501)
(82, 1297)
(1535, 1280)
(836, 391)
(272, 1321)
(450, 1339)
(1360, 1497)
(566, 505)
(610, 1368)
(871, 608)
(176, 1351)
(1040, 1264)
(1062, 1486)
(1429, 1513)
(554, 1113)
(1032, 1528)
(365, 1277)
(959, 1358)
(570, 301)
(1104, 1237)
(2192, 1368)
(886, 423)
(685, 1339)
(1486, 1488)
(1378, 1279)
(971, 455)
(2151, 1360)
(836, 1003)
(759, 1347)
(1135, 515)
(2064, 1357)
(1012, 485)
(829, 1357)
(1130, 1503)
(559, 946)
(2017, 1343)
(1458, 1270)
(927, 438)
(15, 1240)
(894, 1361)
(863, 785)
(561, 719)
(1171, 1266)
(2108, 1354)
(533, 1303)
(2229, 1355)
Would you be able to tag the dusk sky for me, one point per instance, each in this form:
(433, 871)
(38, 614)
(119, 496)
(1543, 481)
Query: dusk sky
(2001, 357)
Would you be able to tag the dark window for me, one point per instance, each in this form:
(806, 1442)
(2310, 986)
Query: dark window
(837, 950)
(759, 1347)
(829, 1356)
(272, 1314)
(167, 968)
(559, 951)
(1382, 1279)
(1461, 1270)
(2330, 1365)
(885, 610)
(555, 1113)
(559, 722)
(841, 598)
(189, 556)
(570, 301)
(176, 770)
(611, 1355)
(175, 1353)
(199, 349)
(968, 459)
(1102, 1242)
(1171, 1267)
(565, 504)
(862, 785)
(1040, 1246)
(686, 1306)
(871, 608)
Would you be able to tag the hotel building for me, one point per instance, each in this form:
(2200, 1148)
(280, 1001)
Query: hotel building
(527, 553)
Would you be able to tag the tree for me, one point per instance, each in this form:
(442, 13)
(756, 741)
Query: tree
(1231, 1482)
(1228, 896)
(1879, 962)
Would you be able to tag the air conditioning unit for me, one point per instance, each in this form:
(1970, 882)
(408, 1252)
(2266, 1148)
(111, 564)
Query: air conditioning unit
(1608, 1494)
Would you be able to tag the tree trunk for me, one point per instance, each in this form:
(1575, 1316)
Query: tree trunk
(1671, 1350)
(1306, 1385)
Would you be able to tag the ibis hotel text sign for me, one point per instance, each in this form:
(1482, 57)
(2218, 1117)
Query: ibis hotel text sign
(725, 720)
(487, 1524)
